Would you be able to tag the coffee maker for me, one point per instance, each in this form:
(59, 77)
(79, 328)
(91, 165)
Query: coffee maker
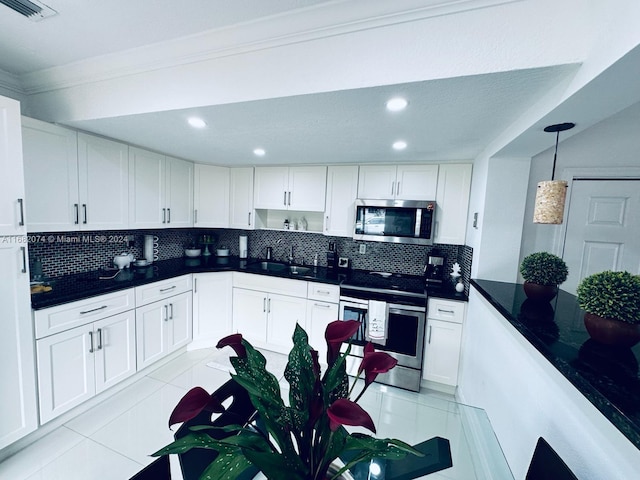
(434, 269)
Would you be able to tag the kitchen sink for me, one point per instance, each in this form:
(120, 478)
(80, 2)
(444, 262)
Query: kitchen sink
(273, 266)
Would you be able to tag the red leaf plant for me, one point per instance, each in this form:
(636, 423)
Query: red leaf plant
(298, 441)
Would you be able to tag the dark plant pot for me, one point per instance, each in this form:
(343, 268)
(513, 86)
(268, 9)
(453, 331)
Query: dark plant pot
(540, 293)
(611, 332)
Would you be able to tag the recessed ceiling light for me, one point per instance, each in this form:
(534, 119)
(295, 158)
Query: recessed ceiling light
(399, 145)
(196, 122)
(259, 152)
(396, 104)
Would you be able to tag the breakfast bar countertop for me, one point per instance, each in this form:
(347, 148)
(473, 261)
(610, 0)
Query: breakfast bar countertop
(607, 376)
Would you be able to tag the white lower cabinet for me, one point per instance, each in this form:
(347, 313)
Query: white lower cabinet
(76, 364)
(443, 339)
(212, 297)
(322, 309)
(266, 309)
(162, 327)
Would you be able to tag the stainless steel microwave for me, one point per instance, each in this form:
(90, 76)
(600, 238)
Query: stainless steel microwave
(397, 221)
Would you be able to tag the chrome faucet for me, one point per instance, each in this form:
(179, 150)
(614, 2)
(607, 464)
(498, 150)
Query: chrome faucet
(291, 254)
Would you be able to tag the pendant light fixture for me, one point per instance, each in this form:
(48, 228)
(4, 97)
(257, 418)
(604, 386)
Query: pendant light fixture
(551, 195)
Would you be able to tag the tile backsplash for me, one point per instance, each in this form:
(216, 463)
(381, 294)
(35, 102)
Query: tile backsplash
(63, 253)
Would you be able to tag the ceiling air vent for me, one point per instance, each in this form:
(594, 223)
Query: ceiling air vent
(31, 9)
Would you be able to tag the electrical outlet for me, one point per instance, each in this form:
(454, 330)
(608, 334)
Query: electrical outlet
(363, 248)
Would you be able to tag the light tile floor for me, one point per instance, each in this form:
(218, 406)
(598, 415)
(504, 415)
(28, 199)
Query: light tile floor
(113, 440)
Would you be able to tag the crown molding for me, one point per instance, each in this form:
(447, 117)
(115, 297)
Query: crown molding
(11, 83)
(298, 26)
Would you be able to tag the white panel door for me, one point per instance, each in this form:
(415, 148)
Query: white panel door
(179, 193)
(212, 297)
(66, 376)
(12, 213)
(51, 176)
(179, 324)
(115, 350)
(151, 342)
(18, 415)
(377, 181)
(452, 203)
(603, 225)
(442, 352)
(283, 312)
(342, 191)
(146, 188)
(211, 196)
(241, 198)
(103, 170)
(250, 315)
(319, 315)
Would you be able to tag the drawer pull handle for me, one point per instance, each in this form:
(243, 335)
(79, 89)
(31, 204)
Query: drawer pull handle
(162, 290)
(93, 310)
(446, 311)
(322, 305)
(323, 292)
(91, 350)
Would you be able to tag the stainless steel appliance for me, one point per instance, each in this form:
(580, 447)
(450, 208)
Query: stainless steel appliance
(406, 304)
(397, 221)
(434, 269)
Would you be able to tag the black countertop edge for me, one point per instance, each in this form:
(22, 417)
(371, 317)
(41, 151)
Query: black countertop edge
(607, 376)
(79, 286)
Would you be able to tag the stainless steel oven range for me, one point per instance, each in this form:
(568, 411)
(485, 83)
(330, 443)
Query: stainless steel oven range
(402, 301)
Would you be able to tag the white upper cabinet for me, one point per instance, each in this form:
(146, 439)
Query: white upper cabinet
(290, 188)
(452, 203)
(103, 173)
(51, 176)
(401, 182)
(12, 208)
(160, 190)
(241, 214)
(342, 191)
(211, 196)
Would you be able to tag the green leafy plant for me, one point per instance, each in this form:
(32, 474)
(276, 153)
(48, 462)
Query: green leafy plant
(544, 268)
(611, 295)
(302, 439)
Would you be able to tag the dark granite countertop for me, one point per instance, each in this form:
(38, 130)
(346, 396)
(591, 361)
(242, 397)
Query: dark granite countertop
(607, 376)
(79, 286)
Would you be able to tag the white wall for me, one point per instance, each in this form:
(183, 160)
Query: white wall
(525, 398)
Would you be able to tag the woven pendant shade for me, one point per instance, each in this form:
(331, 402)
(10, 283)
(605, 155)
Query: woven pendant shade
(550, 198)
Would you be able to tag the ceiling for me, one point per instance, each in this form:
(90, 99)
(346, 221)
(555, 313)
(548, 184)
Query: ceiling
(449, 117)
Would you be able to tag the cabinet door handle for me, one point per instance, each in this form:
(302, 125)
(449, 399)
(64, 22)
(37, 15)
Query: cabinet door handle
(84, 208)
(168, 215)
(162, 290)
(166, 313)
(249, 223)
(195, 285)
(398, 188)
(284, 200)
(164, 215)
(264, 305)
(269, 306)
(195, 216)
(93, 310)
(99, 339)
(429, 339)
(393, 186)
(76, 207)
(171, 310)
(21, 203)
(289, 199)
(326, 223)
(91, 350)
(24, 259)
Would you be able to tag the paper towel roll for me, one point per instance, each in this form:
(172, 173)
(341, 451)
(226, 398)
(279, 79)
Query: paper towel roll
(242, 246)
(150, 248)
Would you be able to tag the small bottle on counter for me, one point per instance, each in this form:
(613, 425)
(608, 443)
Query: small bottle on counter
(286, 224)
(315, 260)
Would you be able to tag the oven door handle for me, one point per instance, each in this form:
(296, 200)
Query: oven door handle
(409, 308)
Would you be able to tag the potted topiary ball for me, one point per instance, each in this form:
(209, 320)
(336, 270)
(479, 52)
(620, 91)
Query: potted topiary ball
(611, 301)
(542, 273)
